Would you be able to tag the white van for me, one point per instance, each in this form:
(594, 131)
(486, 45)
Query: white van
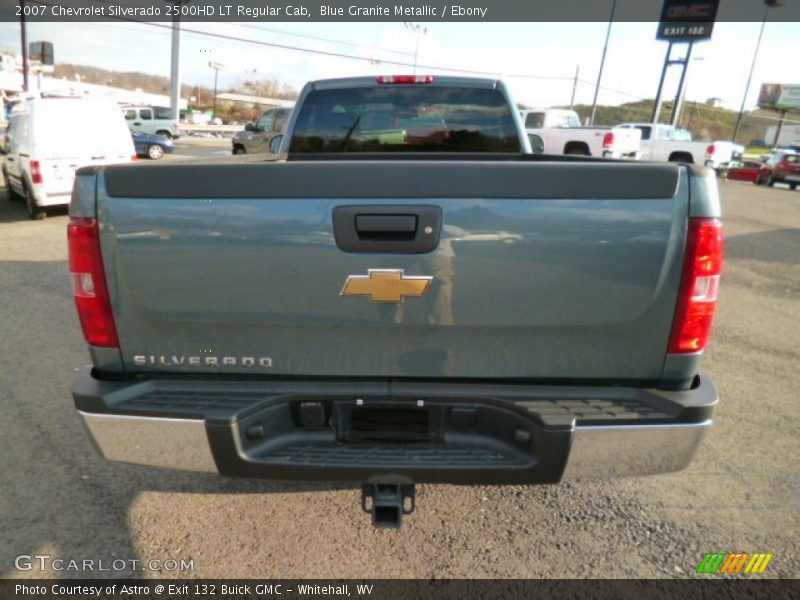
(48, 138)
(153, 120)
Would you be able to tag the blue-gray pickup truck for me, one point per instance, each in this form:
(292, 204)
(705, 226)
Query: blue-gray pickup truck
(407, 296)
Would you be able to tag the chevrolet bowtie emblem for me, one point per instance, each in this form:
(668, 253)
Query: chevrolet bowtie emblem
(386, 285)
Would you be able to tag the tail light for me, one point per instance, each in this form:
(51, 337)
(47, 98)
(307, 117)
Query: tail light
(710, 150)
(608, 140)
(697, 298)
(89, 283)
(134, 157)
(404, 79)
(36, 172)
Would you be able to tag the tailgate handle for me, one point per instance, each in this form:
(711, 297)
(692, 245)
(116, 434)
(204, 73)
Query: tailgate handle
(388, 229)
(386, 226)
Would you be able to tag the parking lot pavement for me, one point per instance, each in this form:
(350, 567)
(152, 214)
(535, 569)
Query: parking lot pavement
(187, 147)
(742, 493)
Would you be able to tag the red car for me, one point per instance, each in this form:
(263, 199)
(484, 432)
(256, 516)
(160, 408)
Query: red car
(747, 170)
(782, 166)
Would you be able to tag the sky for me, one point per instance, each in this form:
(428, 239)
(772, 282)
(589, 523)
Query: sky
(537, 60)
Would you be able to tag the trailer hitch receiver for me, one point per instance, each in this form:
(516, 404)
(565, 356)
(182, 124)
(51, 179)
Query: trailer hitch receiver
(388, 503)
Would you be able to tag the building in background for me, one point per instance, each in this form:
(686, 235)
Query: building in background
(11, 87)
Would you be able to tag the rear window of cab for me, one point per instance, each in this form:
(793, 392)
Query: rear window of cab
(405, 118)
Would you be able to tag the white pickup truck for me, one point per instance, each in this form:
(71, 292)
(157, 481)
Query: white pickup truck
(666, 143)
(559, 131)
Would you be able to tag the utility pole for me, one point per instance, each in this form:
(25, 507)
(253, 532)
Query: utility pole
(23, 35)
(418, 31)
(767, 5)
(575, 85)
(602, 61)
(175, 66)
(216, 66)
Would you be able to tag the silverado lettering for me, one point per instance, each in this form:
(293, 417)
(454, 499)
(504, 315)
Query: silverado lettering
(225, 361)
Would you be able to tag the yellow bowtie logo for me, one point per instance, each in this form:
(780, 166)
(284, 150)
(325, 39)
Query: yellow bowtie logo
(386, 285)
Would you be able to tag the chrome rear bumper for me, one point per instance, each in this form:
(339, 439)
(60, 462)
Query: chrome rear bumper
(597, 452)
(602, 452)
(437, 432)
(155, 441)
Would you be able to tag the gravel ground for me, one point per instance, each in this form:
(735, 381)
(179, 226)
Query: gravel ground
(742, 493)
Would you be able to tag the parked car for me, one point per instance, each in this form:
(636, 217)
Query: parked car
(745, 170)
(154, 120)
(559, 131)
(152, 146)
(782, 166)
(666, 143)
(257, 137)
(458, 311)
(48, 139)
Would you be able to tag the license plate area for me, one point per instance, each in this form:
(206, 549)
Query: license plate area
(387, 421)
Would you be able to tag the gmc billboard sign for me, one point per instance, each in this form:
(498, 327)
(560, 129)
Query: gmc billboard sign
(687, 20)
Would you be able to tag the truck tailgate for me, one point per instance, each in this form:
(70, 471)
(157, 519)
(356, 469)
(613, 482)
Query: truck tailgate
(551, 270)
(627, 141)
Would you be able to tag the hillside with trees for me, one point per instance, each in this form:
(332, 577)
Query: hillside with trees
(704, 121)
(198, 97)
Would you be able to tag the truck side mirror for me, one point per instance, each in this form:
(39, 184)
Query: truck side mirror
(275, 144)
(250, 126)
(537, 144)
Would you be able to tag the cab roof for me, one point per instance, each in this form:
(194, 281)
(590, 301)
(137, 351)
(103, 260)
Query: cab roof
(437, 80)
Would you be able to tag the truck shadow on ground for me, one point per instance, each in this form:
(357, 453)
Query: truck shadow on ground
(12, 211)
(58, 497)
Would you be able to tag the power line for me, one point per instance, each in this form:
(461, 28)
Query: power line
(328, 53)
(345, 56)
(360, 58)
(211, 20)
(608, 89)
(323, 39)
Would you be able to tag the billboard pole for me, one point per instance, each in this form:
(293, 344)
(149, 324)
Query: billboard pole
(657, 104)
(683, 21)
(778, 129)
(676, 107)
(750, 76)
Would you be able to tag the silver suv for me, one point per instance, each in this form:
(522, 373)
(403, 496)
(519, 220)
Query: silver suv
(152, 120)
